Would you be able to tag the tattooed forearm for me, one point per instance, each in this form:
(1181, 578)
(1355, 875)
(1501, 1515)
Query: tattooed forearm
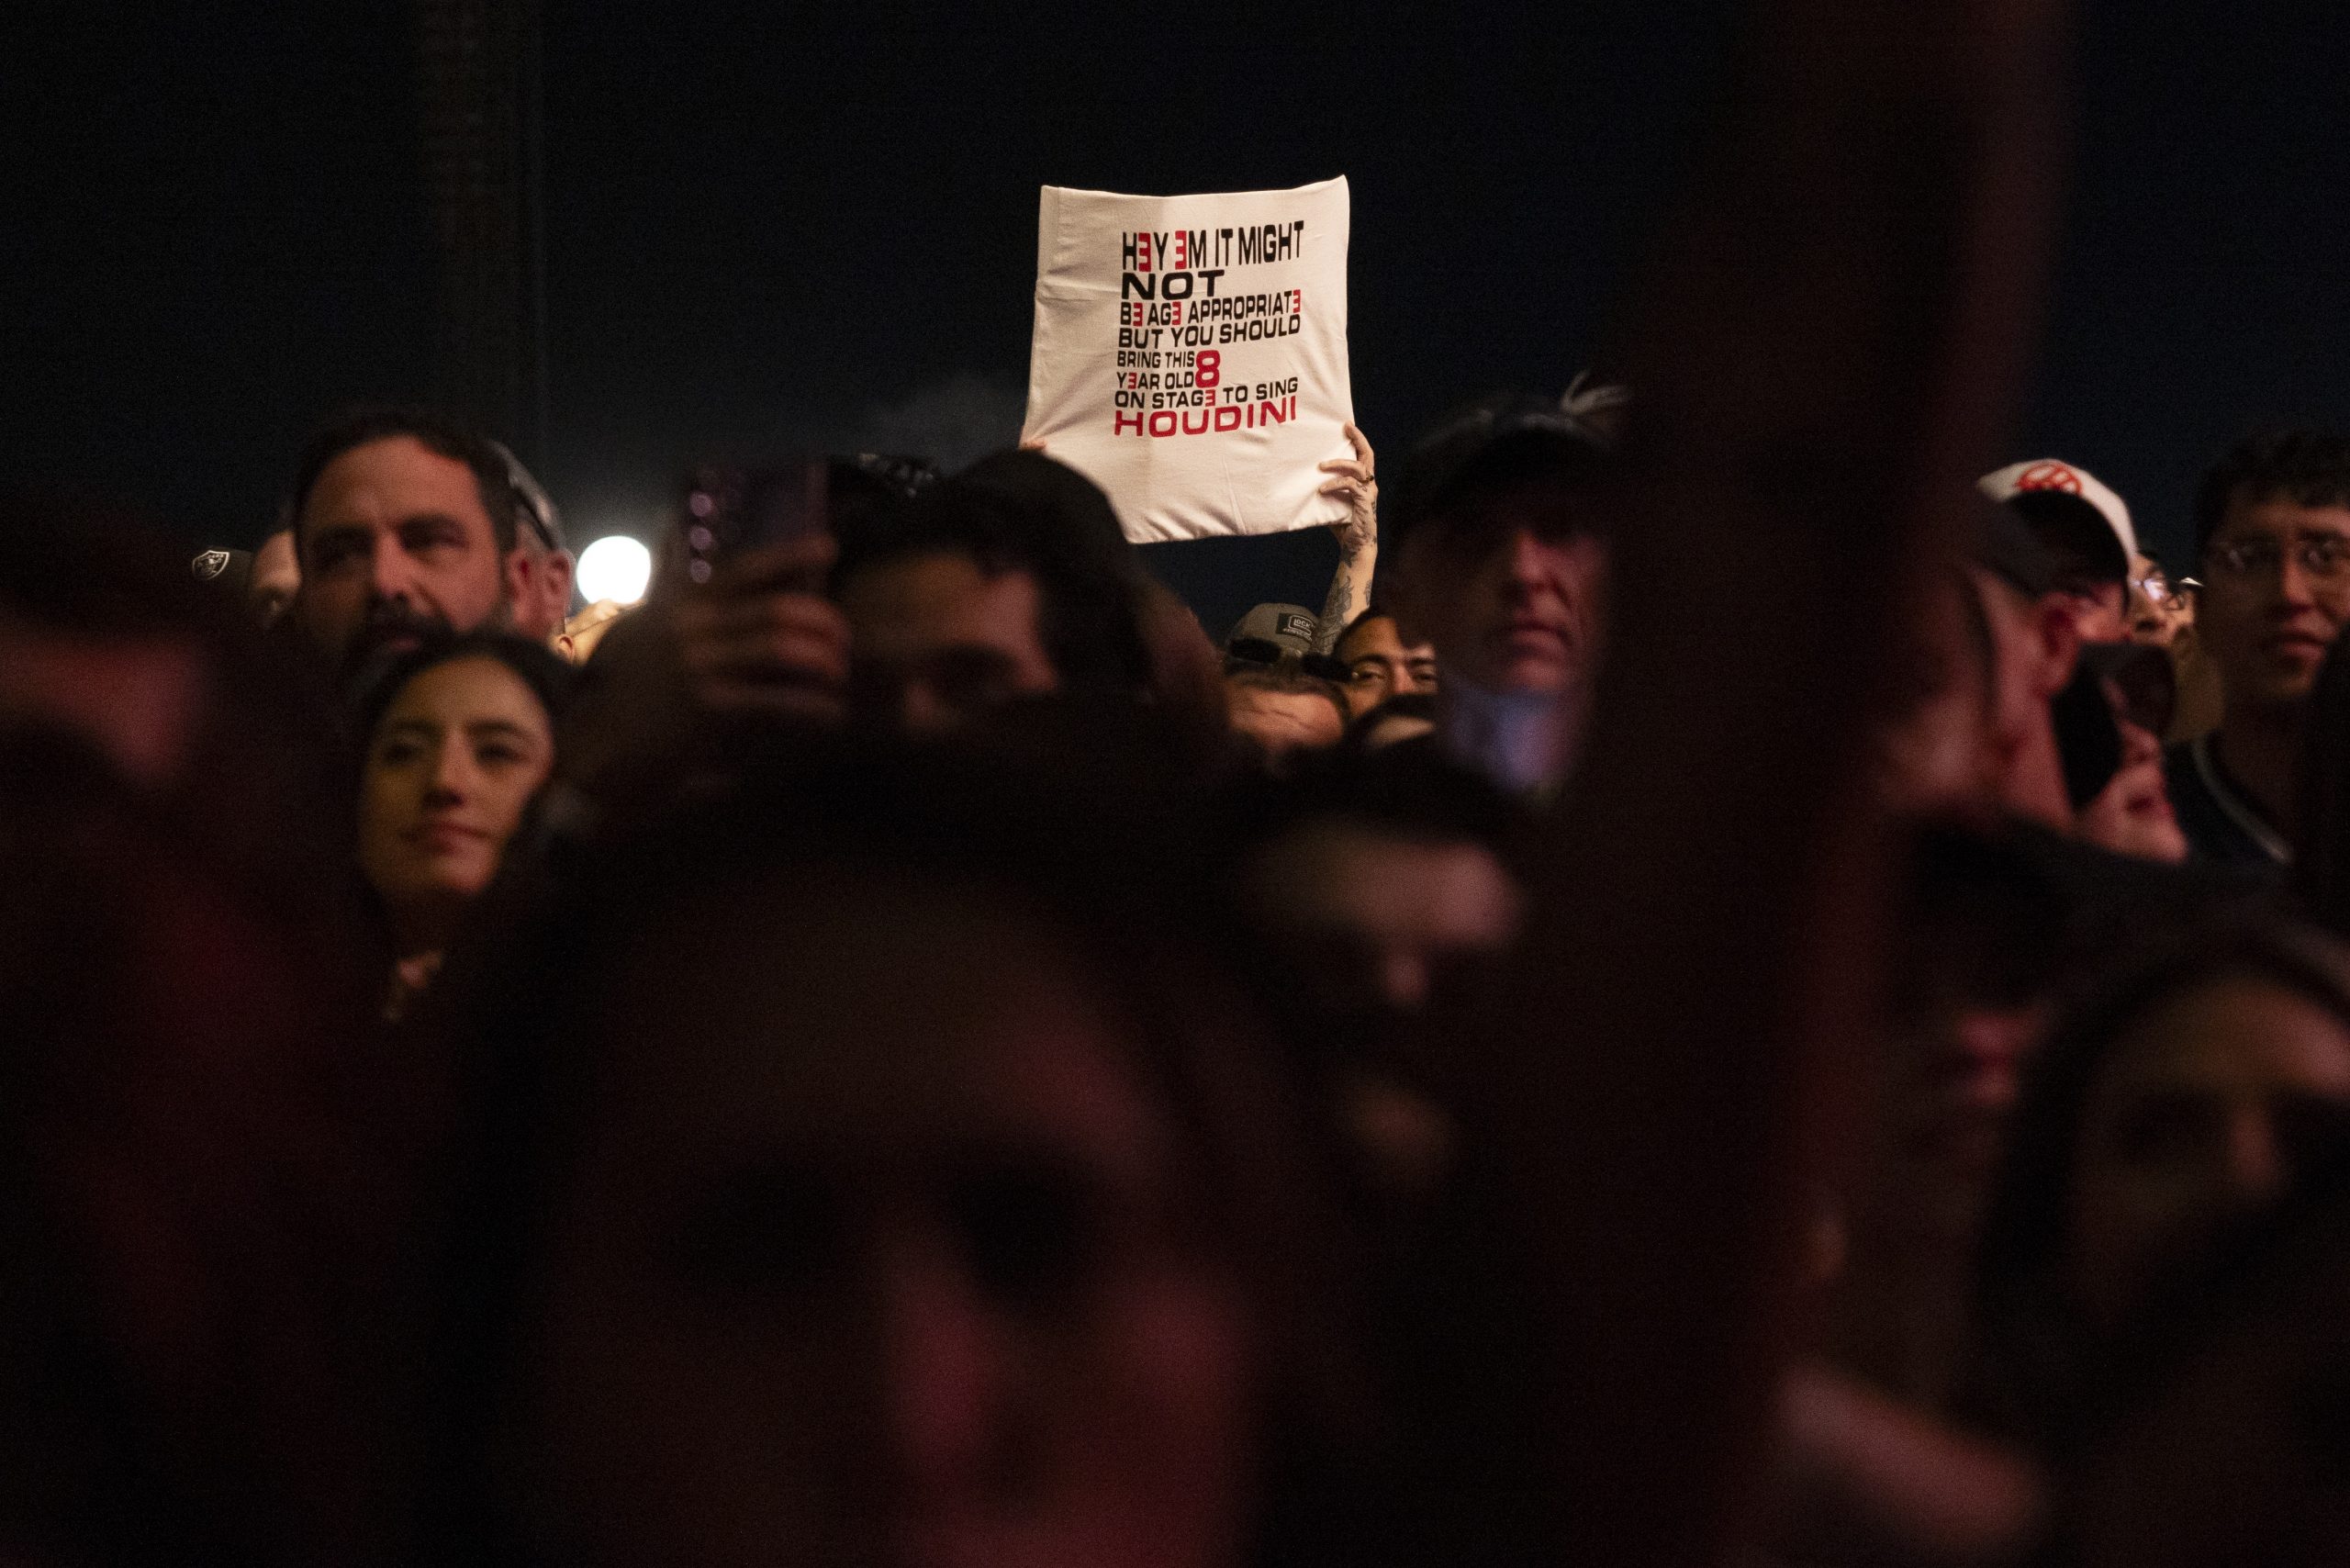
(1349, 597)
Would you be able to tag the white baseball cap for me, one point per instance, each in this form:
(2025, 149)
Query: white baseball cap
(2049, 476)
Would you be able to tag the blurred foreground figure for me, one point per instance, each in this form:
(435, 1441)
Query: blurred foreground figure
(2185, 1103)
(181, 976)
(1383, 889)
(2272, 522)
(2130, 812)
(1280, 712)
(876, 1168)
(2233, 1453)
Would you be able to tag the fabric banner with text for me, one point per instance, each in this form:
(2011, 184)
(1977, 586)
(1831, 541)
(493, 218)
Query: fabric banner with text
(1191, 354)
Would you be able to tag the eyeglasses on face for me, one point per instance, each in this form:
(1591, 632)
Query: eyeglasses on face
(2164, 593)
(2325, 555)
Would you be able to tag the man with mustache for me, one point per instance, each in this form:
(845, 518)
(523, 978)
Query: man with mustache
(404, 523)
(2271, 520)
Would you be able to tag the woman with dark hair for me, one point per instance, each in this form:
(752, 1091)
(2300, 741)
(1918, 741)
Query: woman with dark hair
(2209, 1082)
(460, 740)
(877, 1169)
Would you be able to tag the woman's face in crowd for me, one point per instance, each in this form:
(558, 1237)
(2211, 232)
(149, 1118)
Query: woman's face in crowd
(876, 1251)
(2205, 1107)
(451, 764)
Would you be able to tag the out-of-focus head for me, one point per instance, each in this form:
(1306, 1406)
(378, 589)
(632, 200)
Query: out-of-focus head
(1981, 950)
(1010, 579)
(404, 525)
(460, 739)
(544, 563)
(107, 634)
(885, 1174)
(2186, 1101)
(174, 1019)
(1398, 719)
(2130, 812)
(1382, 883)
(1381, 890)
(179, 971)
(1495, 535)
(276, 576)
(2223, 1442)
(2272, 522)
(1379, 663)
(1281, 711)
(2085, 528)
(1936, 752)
(2035, 642)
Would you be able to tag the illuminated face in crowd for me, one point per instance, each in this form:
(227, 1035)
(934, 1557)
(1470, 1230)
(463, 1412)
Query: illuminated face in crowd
(2201, 1117)
(451, 764)
(879, 1248)
(1378, 665)
(934, 639)
(2276, 594)
(395, 539)
(1507, 590)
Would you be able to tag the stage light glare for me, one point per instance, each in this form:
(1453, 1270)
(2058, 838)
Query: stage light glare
(615, 567)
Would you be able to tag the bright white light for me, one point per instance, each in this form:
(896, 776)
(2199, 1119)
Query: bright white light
(615, 567)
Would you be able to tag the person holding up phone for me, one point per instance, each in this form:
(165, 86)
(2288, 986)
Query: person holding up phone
(737, 637)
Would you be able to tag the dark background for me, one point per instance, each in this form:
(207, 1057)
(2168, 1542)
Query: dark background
(787, 225)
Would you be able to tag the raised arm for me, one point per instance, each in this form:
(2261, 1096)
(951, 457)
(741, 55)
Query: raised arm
(1354, 481)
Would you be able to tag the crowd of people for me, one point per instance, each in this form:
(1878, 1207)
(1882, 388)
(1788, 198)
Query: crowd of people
(902, 1049)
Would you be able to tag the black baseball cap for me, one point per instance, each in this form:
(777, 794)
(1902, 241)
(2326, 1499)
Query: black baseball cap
(1502, 438)
(2005, 545)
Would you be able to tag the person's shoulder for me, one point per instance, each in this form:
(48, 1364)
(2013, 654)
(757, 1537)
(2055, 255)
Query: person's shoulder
(2213, 819)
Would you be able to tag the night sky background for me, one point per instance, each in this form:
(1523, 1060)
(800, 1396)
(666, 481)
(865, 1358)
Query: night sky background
(793, 225)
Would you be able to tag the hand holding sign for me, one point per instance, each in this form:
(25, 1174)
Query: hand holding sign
(1357, 485)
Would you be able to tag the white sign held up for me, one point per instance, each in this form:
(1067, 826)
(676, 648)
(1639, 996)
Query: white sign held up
(1189, 355)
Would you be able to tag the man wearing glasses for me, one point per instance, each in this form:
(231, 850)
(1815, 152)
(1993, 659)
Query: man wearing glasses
(2271, 520)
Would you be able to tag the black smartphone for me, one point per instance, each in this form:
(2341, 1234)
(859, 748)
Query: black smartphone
(730, 510)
